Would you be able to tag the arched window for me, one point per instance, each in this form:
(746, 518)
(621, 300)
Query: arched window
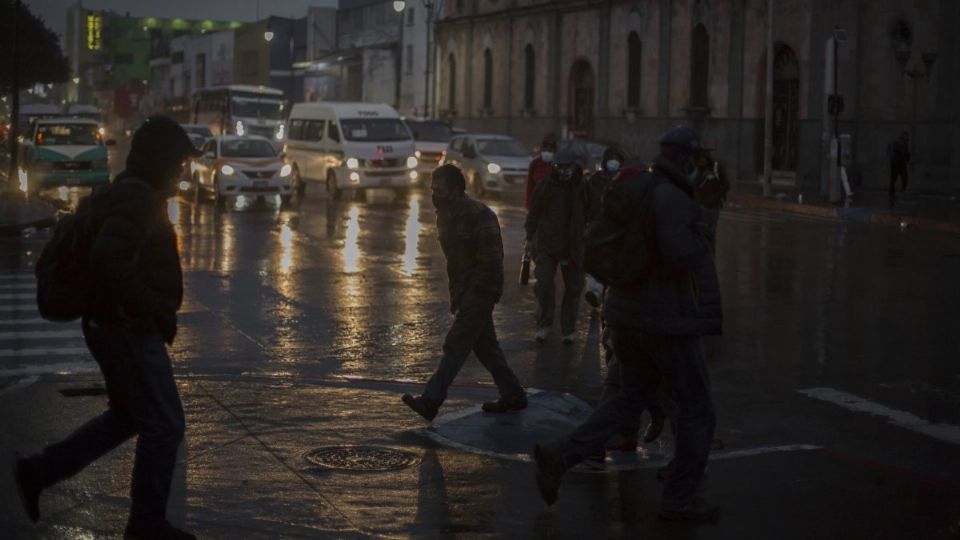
(633, 70)
(451, 83)
(487, 79)
(530, 79)
(700, 67)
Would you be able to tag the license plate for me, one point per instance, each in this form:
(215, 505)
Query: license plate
(385, 182)
(260, 184)
(71, 164)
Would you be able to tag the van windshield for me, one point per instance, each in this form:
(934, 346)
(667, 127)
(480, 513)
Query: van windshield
(67, 134)
(374, 130)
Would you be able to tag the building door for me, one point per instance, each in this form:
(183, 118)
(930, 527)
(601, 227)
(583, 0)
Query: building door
(786, 110)
(581, 99)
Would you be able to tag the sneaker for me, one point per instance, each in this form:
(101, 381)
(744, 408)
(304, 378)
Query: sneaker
(697, 511)
(653, 430)
(621, 443)
(542, 333)
(27, 488)
(154, 530)
(549, 473)
(506, 404)
(568, 338)
(422, 406)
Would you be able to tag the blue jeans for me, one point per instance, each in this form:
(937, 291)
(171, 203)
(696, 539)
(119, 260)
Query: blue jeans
(143, 401)
(647, 360)
(472, 330)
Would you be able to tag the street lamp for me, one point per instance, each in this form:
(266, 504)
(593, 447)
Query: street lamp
(399, 6)
(268, 33)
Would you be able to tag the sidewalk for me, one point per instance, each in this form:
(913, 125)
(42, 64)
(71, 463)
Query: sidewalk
(927, 212)
(252, 467)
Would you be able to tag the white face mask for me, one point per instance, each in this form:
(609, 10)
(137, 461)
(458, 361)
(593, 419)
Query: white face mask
(613, 165)
(546, 156)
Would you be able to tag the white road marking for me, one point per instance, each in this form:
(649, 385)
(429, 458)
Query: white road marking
(22, 383)
(944, 432)
(14, 296)
(42, 369)
(43, 334)
(19, 287)
(41, 351)
(17, 277)
(14, 322)
(31, 307)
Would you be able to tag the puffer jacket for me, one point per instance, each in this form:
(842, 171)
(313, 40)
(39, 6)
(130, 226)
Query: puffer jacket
(681, 295)
(470, 239)
(558, 216)
(138, 276)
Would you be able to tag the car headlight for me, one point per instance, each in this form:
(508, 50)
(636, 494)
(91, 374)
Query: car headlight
(493, 168)
(227, 170)
(280, 132)
(285, 170)
(417, 154)
(353, 163)
(239, 128)
(412, 162)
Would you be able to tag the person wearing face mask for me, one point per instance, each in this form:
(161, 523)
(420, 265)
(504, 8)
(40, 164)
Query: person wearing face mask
(610, 163)
(130, 318)
(711, 185)
(657, 324)
(556, 222)
(470, 238)
(541, 166)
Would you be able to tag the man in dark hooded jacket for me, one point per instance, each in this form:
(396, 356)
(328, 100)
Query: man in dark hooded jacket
(656, 327)
(561, 207)
(470, 239)
(136, 290)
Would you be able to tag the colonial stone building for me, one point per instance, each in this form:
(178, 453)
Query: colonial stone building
(627, 70)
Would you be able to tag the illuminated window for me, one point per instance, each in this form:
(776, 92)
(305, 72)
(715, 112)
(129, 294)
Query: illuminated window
(93, 32)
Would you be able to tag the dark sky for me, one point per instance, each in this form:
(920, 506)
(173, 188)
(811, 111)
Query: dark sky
(54, 12)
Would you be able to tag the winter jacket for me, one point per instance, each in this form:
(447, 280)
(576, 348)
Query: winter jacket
(558, 216)
(536, 172)
(899, 151)
(470, 239)
(681, 295)
(138, 278)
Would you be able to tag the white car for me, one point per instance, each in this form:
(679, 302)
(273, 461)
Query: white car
(232, 165)
(432, 138)
(490, 163)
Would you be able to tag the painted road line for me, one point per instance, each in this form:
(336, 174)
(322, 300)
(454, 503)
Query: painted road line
(41, 351)
(944, 432)
(15, 296)
(19, 287)
(14, 322)
(31, 307)
(44, 369)
(41, 334)
(17, 277)
(22, 383)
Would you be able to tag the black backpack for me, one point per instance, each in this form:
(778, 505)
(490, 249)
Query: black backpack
(62, 269)
(619, 245)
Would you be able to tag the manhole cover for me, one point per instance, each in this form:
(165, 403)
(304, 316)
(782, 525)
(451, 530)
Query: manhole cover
(361, 458)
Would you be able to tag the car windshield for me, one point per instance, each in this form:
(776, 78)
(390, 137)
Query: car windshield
(249, 105)
(374, 130)
(502, 147)
(430, 131)
(247, 148)
(67, 134)
(198, 130)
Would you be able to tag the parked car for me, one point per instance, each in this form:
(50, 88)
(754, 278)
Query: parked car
(431, 138)
(591, 152)
(490, 163)
(232, 165)
(351, 146)
(65, 152)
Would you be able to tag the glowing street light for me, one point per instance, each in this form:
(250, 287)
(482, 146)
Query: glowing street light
(268, 35)
(399, 5)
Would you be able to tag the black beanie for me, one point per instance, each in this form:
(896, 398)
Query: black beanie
(452, 178)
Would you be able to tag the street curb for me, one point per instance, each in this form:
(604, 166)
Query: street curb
(859, 214)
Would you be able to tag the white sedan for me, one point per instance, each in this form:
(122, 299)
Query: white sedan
(233, 165)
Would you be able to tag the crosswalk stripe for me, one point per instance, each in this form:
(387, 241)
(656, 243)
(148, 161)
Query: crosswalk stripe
(42, 334)
(15, 322)
(14, 296)
(17, 277)
(41, 369)
(19, 287)
(41, 351)
(30, 307)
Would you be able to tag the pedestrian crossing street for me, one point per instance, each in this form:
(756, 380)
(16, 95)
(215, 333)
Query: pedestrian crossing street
(30, 345)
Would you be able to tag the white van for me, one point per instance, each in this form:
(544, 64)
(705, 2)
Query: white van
(351, 146)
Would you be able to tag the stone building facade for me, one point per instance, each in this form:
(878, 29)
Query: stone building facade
(628, 69)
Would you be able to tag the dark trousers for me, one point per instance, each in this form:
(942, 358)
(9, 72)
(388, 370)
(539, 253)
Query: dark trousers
(646, 361)
(898, 170)
(546, 271)
(472, 330)
(144, 401)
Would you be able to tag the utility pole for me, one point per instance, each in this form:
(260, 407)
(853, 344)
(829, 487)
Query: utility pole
(13, 177)
(768, 112)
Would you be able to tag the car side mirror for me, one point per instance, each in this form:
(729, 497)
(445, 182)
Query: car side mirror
(111, 142)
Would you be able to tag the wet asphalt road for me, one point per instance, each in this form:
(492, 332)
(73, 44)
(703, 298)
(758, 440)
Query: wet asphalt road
(334, 291)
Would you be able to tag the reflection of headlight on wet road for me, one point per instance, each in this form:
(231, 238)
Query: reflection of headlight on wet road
(286, 170)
